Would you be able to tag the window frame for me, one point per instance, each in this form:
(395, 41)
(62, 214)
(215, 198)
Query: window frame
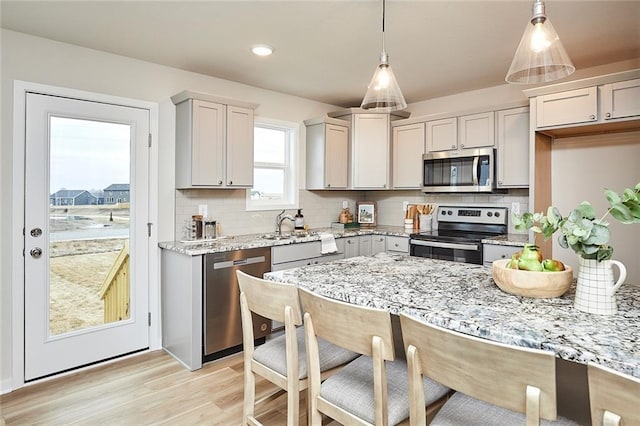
(290, 167)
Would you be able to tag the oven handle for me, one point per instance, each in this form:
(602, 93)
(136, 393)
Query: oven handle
(440, 244)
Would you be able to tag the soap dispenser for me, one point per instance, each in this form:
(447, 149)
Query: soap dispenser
(299, 220)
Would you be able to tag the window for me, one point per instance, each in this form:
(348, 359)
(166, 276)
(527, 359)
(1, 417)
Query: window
(275, 183)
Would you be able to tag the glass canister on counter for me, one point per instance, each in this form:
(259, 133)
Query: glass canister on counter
(210, 229)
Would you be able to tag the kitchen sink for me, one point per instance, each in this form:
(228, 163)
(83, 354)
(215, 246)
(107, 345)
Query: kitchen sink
(276, 237)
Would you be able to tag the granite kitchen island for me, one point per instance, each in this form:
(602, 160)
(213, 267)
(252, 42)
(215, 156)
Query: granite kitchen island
(463, 297)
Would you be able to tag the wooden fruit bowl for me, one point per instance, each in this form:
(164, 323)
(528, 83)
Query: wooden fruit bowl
(529, 283)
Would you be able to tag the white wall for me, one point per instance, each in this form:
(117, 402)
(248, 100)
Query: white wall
(581, 167)
(43, 61)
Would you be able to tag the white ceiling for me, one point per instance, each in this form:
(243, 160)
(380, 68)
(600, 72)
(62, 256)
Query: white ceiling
(328, 50)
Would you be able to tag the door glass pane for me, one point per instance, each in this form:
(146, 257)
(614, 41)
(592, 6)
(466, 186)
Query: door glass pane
(89, 178)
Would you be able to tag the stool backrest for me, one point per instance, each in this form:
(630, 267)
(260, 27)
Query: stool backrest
(614, 397)
(516, 378)
(269, 299)
(349, 326)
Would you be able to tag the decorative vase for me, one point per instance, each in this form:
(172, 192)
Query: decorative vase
(595, 290)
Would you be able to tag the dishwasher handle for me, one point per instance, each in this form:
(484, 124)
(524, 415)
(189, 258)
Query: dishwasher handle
(239, 262)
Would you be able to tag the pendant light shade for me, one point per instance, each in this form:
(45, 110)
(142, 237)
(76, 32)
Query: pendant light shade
(383, 92)
(540, 57)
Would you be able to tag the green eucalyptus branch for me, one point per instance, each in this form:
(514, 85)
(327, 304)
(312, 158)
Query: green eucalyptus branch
(580, 230)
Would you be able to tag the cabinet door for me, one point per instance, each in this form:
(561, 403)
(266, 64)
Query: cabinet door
(570, 107)
(621, 99)
(476, 130)
(513, 148)
(336, 156)
(207, 146)
(378, 244)
(370, 150)
(239, 147)
(442, 135)
(351, 247)
(408, 146)
(364, 241)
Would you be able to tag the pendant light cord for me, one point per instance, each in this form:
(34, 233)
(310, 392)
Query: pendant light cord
(383, 15)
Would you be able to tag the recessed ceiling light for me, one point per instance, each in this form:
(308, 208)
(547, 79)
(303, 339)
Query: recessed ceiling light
(262, 50)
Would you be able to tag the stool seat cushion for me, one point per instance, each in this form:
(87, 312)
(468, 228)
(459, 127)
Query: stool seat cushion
(352, 389)
(462, 409)
(273, 354)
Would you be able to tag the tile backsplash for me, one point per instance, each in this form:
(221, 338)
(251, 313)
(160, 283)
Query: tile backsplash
(320, 208)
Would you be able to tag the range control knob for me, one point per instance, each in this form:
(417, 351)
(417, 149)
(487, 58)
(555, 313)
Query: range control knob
(497, 214)
(449, 212)
(489, 214)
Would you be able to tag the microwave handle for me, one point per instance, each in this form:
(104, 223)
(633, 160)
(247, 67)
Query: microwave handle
(476, 170)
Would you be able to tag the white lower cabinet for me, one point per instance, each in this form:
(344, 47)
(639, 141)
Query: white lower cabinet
(351, 246)
(397, 245)
(303, 254)
(378, 244)
(491, 252)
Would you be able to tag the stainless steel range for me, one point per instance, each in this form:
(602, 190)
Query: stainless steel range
(460, 233)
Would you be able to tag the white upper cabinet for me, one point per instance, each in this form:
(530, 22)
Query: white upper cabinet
(442, 135)
(621, 99)
(607, 103)
(463, 132)
(369, 147)
(513, 148)
(476, 130)
(214, 141)
(408, 145)
(327, 153)
(370, 151)
(570, 107)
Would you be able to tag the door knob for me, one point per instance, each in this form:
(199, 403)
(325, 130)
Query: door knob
(36, 252)
(36, 232)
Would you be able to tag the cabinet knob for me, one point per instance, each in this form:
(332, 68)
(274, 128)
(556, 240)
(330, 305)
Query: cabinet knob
(461, 145)
(220, 182)
(230, 182)
(453, 147)
(608, 115)
(499, 182)
(396, 245)
(592, 117)
(328, 185)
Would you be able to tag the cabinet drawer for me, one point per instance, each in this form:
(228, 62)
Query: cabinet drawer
(493, 252)
(398, 244)
(300, 251)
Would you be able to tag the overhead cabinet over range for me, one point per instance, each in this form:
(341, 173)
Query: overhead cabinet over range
(214, 141)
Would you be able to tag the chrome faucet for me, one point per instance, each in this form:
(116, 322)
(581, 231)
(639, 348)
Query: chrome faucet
(281, 218)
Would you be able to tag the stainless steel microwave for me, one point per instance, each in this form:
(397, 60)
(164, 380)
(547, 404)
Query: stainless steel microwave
(468, 170)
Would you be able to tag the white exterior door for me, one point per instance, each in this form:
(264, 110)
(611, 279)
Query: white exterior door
(86, 213)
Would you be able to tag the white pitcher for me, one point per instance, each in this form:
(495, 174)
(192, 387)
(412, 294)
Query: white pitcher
(595, 290)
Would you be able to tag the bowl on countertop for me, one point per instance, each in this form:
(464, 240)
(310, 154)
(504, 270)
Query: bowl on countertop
(530, 283)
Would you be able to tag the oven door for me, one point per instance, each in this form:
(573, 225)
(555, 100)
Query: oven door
(468, 252)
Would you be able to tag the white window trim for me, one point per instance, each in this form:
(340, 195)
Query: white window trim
(291, 172)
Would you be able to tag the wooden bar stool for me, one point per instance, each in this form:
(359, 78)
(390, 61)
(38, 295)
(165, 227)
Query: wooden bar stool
(281, 360)
(614, 397)
(496, 384)
(373, 389)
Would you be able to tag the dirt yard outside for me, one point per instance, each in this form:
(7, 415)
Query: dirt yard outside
(78, 266)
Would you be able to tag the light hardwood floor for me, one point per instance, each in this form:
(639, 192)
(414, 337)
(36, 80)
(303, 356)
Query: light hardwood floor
(151, 388)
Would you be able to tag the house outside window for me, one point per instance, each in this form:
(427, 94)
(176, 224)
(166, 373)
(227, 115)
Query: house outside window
(275, 183)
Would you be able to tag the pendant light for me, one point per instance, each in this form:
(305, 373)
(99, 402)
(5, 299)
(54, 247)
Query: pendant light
(383, 93)
(540, 57)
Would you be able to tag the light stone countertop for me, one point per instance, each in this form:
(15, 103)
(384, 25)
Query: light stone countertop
(463, 297)
(240, 242)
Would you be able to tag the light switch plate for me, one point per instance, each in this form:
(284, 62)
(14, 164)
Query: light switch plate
(202, 210)
(345, 204)
(515, 207)
(405, 206)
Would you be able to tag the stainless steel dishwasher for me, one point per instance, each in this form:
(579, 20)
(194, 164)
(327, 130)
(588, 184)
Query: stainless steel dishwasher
(222, 327)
